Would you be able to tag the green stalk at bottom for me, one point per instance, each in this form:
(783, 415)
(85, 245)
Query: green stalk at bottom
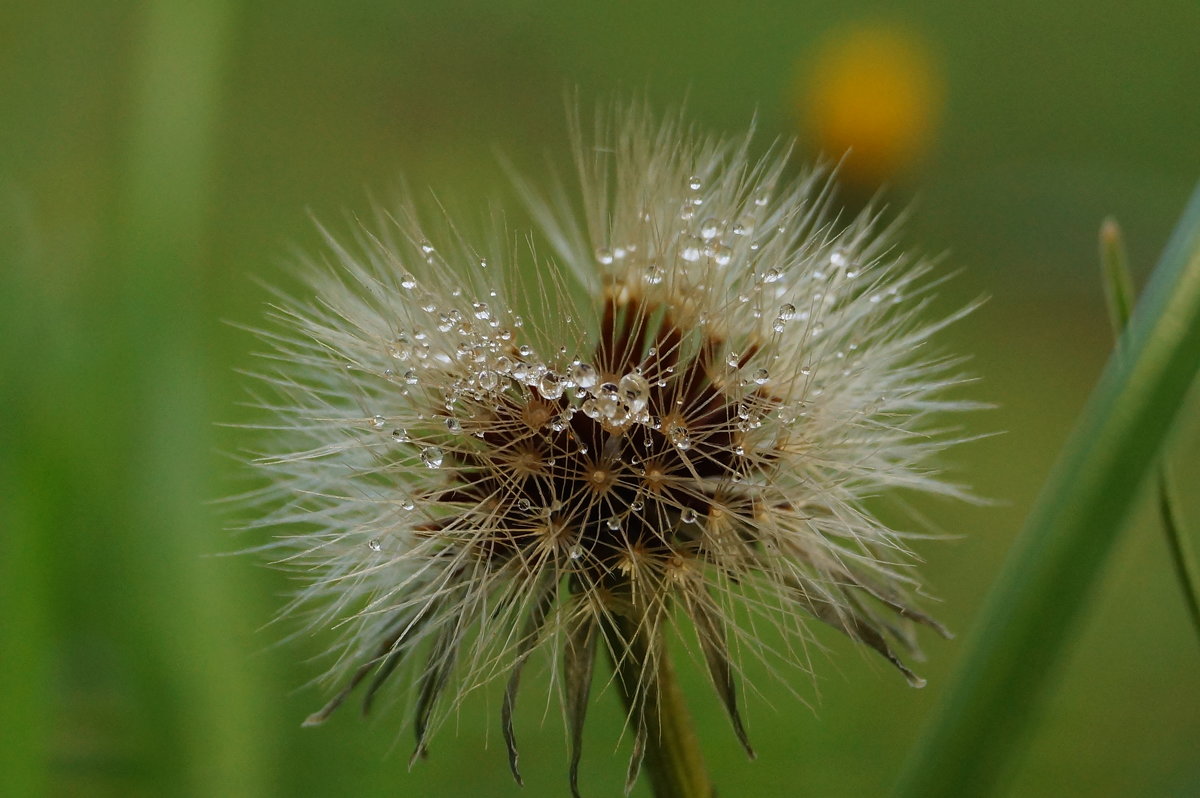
(673, 762)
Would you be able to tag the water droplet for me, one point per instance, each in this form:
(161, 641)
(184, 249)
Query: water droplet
(374, 545)
(771, 276)
(453, 424)
(407, 503)
(787, 311)
(410, 376)
(688, 516)
(378, 422)
(636, 505)
(426, 248)
(838, 259)
(400, 436)
(487, 380)
(550, 385)
(709, 228)
(654, 274)
(408, 281)
(523, 504)
(762, 199)
(483, 264)
(481, 310)
(761, 376)
(694, 183)
(432, 457)
(583, 375)
(608, 402)
(604, 256)
(613, 523)
(722, 254)
(678, 435)
(635, 390)
(690, 251)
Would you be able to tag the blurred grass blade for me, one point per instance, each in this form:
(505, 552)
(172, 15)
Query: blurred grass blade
(1118, 290)
(1035, 605)
(1182, 556)
(1114, 268)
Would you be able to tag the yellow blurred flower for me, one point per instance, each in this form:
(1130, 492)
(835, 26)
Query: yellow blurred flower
(873, 94)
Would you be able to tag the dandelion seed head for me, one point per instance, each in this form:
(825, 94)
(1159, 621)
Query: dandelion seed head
(676, 415)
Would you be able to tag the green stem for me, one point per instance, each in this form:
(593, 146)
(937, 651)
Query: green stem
(1182, 558)
(673, 761)
(1118, 289)
(1034, 607)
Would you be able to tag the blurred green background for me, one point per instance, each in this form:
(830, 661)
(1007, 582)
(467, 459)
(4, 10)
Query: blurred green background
(158, 158)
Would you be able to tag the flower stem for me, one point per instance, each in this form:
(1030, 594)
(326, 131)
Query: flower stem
(673, 761)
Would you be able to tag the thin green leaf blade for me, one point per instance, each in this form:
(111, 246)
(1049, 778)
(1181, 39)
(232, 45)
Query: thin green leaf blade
(1118, 290)
(1182, 557)
(1114, 269)
(1033, 608)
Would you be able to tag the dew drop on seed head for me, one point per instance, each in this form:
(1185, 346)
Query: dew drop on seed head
(400, 436)
(722, 255)
(613, 523)
(688, 516)
(432, 457)
(583, 375)
(407, 503)
(635, 390)
(761, 376)
(408, 282)
(838, 259)
(550, 386)
(709, 228)
(694, 183)
(678, 435)
(604, 256)
(690, 251)
(378, 422)
(771, 276)
(453, 424)
(374, 545)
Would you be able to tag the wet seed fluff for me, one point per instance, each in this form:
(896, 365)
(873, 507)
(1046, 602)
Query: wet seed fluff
(671, 424)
